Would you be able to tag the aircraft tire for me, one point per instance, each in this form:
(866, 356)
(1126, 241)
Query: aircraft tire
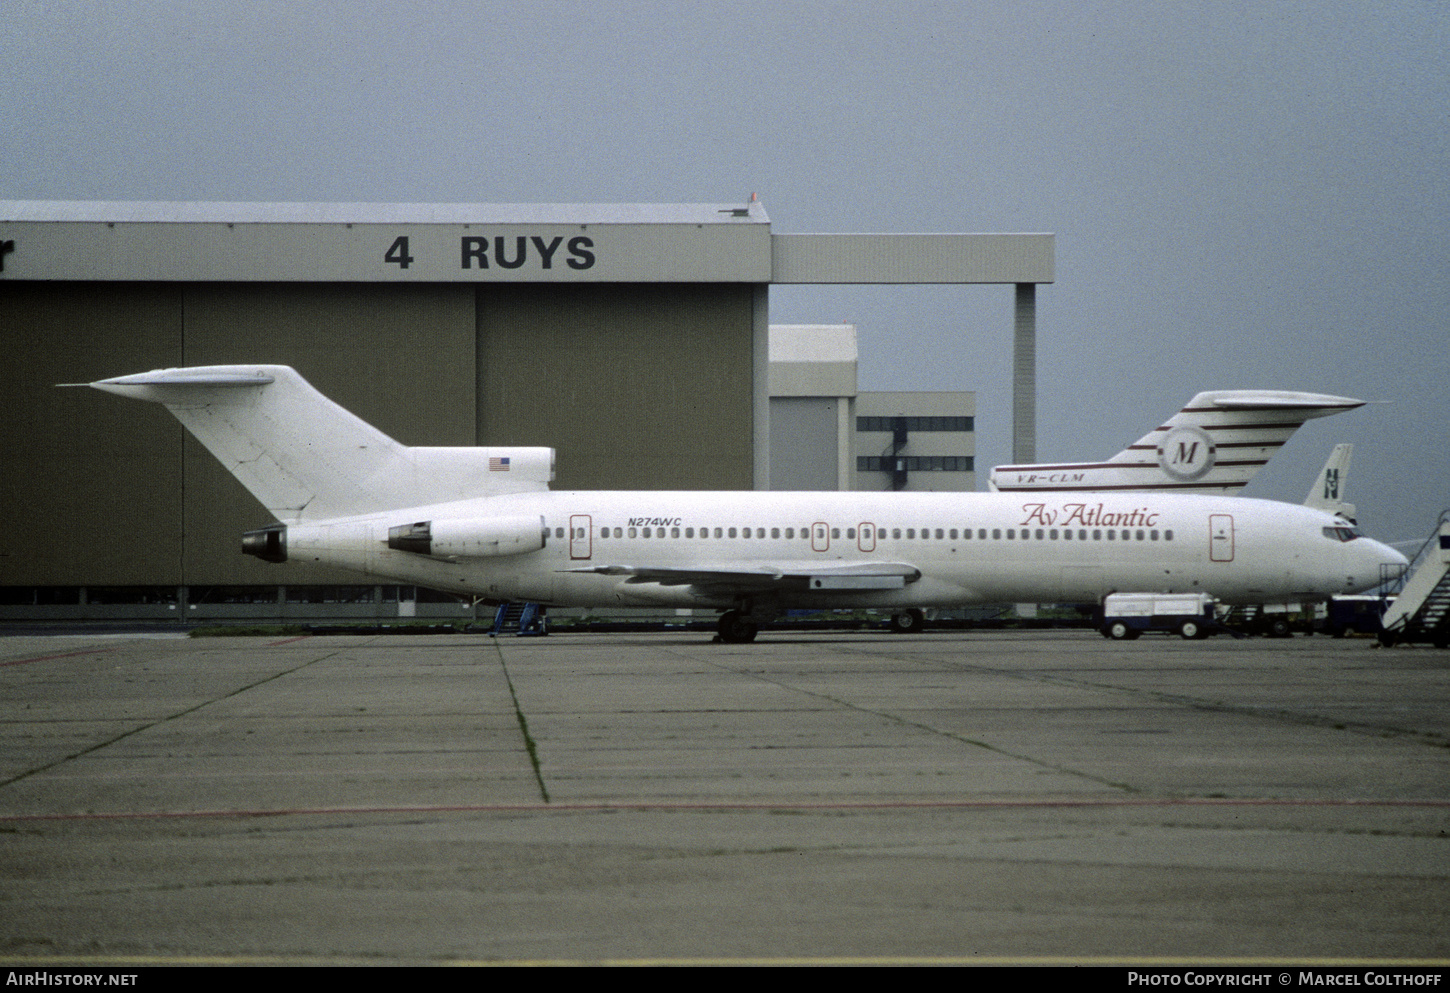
(734, 629)
(908, 622)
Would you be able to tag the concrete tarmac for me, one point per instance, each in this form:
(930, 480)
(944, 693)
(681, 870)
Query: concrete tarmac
(979, 797)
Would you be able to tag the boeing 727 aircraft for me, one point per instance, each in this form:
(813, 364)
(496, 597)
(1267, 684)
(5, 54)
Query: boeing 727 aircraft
(483, 521)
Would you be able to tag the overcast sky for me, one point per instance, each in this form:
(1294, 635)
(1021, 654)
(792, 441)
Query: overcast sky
(1245, 195)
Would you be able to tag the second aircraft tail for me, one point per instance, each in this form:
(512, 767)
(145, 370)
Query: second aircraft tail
(1215, 444)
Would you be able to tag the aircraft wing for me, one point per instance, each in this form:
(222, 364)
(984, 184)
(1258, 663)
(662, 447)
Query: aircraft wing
(767, 576)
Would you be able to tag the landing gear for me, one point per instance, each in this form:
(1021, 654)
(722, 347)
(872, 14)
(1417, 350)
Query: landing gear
(735, 628)
(908, 622)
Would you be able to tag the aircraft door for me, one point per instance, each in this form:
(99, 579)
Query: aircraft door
(866, 536)
(581, 536)
(820, 537)
(1220, 537)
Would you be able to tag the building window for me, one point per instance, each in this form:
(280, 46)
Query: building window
(891, 424)
(915, 463)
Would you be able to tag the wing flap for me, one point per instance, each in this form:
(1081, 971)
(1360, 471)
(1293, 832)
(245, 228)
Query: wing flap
(768, 575)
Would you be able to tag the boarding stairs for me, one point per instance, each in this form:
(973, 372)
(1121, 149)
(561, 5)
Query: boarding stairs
(1242, 616)
(1421, 611)
(893, 455)
(1272, 621)
(520, 619)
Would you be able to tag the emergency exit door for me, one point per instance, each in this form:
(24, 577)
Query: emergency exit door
(1220, 537)
(581, 536)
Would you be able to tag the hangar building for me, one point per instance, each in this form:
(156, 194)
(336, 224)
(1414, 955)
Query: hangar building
(825, 434)
(632, 338)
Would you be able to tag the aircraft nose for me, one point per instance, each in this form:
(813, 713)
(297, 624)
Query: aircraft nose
(1388, 562)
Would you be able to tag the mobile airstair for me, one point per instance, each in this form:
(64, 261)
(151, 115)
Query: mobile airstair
(521, 619)
(1421, 611)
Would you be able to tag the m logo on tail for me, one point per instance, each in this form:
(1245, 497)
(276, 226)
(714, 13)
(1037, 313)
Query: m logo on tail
(1186, 454)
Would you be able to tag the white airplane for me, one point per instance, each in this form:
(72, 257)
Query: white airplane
(483, 521)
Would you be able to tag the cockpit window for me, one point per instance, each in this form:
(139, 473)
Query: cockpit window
(1342, 533)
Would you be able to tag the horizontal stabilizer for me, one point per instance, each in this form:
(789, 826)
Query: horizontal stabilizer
(1216, 444)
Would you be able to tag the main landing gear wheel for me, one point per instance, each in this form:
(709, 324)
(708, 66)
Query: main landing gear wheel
(908, 622)
(735, 629)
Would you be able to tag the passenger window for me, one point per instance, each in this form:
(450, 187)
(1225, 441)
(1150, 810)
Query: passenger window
(941, 534)
(896, 532)
(996, 534)
(631, 532)
(674, 532)
(775, 532)
(732, 532)
(953, 534)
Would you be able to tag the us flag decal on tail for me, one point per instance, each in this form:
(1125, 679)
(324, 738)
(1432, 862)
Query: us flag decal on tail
(496, 464)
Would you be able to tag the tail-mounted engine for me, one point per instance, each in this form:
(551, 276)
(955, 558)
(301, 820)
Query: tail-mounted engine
(470, 538)
(268, 544)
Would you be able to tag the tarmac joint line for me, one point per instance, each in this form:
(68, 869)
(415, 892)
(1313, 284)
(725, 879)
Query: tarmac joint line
(529, 744)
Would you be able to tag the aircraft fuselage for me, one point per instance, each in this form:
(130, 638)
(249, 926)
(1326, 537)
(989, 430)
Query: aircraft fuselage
(618, 548)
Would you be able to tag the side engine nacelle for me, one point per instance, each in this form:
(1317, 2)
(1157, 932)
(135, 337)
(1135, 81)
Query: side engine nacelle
(470, 538)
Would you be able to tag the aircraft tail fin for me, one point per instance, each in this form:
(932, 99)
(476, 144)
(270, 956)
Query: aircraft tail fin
(1215, 444)
(1327, 493)
(307, 458)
